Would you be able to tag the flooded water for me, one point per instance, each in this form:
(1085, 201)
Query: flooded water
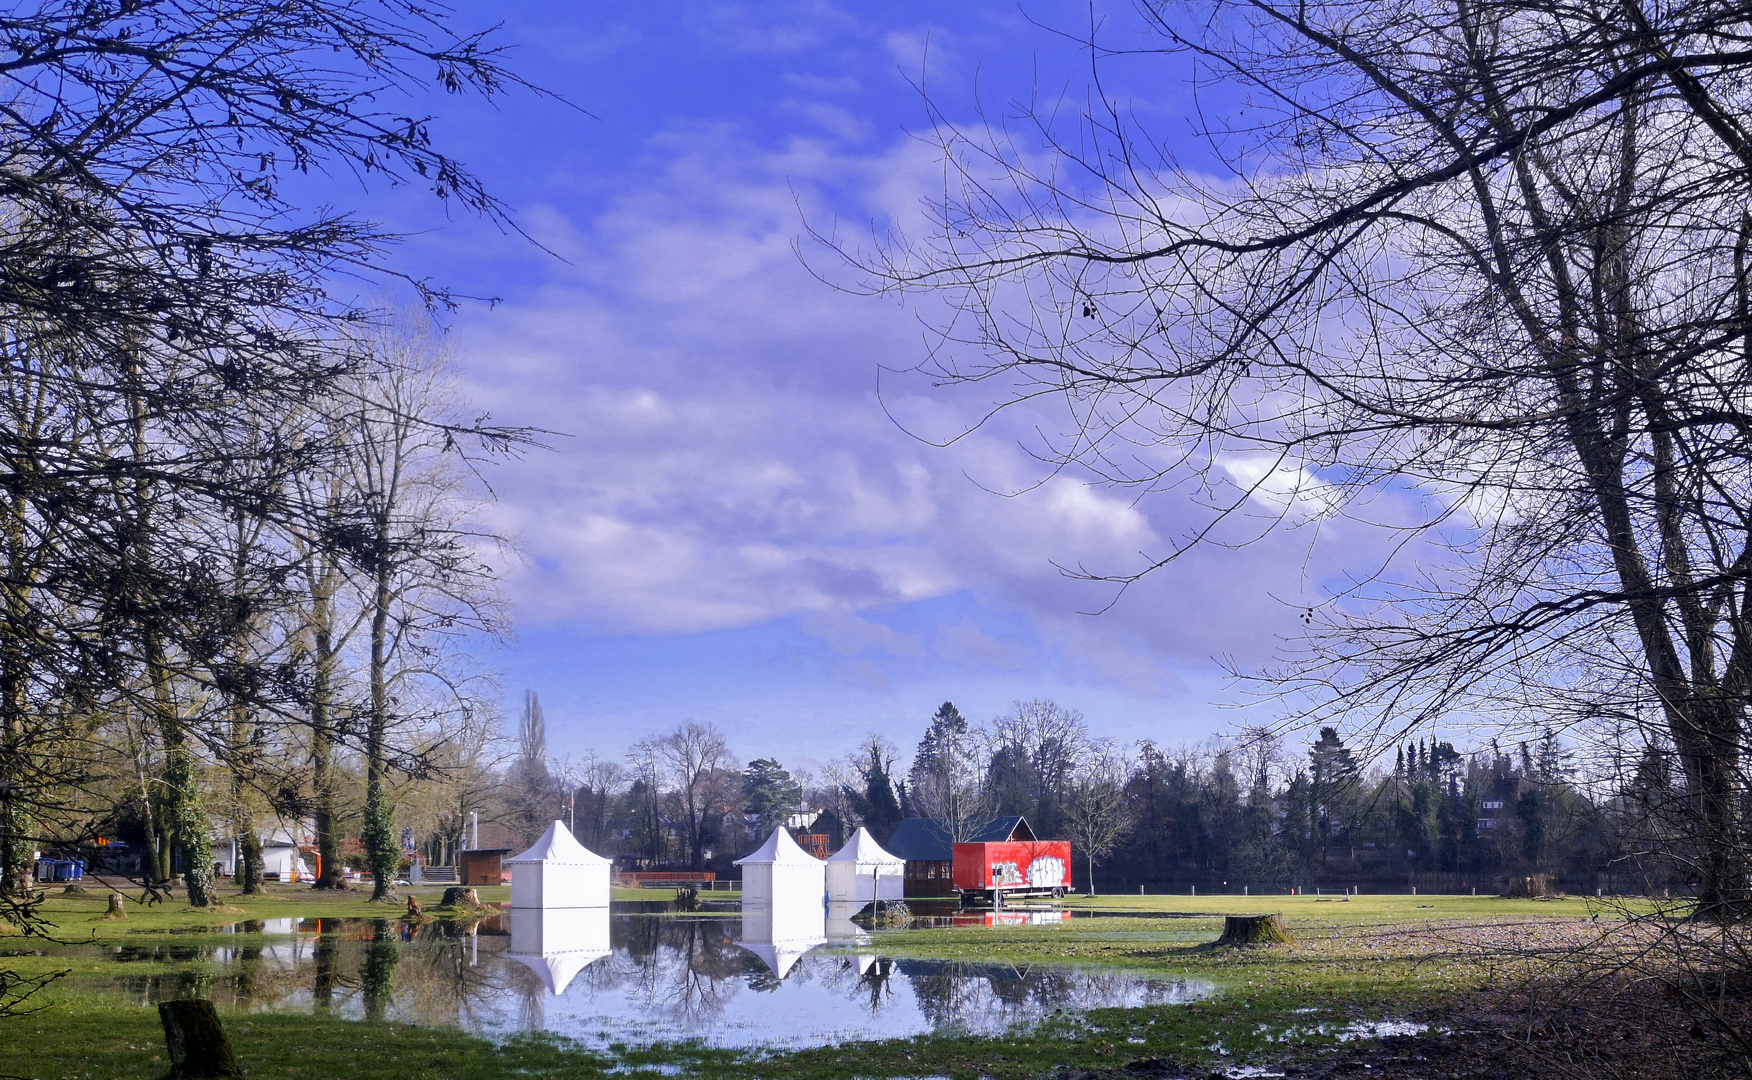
(625, 978)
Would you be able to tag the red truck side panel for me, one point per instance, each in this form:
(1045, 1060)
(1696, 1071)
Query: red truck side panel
(1014, 864)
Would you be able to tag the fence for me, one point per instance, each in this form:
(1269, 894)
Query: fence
(700, 879)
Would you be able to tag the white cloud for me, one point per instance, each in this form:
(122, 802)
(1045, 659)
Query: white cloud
(730, 463)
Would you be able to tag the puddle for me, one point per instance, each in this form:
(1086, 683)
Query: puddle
(1377, 1029)
(1351, 1032)
(623, 978)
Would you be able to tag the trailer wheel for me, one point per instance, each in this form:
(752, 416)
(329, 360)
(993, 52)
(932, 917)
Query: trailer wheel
(1058, 893)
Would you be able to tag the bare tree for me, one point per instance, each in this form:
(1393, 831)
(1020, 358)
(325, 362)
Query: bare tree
(532, 730)
(416, 552)
(1096, 807)
(600, 783)
(696, 759)
(645, 763)
(1493, 255)
(950, 787)
(318, 642)
(1031, 753)
(161, 293)
(535, 792)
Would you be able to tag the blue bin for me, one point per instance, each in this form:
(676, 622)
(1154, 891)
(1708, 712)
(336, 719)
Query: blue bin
(48, 870)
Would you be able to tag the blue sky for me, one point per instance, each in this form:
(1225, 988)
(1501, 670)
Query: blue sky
(733, 529)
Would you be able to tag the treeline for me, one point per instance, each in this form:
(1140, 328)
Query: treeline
(237, 544)
(1246, 811)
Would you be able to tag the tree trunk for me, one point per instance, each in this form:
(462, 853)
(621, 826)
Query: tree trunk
(198, 1048)
(381, 849)
(1255, 930)
(322, 748)
(190, 831)
(250, 869)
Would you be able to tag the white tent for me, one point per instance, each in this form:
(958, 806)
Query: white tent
(862, 871)
(285, 862)
(783, 875)
(558, 872)
(557, 943)
(781, 935)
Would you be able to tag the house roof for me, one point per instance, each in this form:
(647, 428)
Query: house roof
(558, 847)
(926, 840)
(863, 848)
(780, 848)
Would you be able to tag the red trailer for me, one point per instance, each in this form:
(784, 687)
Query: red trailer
(1012, 868)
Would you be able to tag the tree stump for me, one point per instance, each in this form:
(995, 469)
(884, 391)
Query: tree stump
(414, 911)
(687, 898)
(461, 896)
(116, 911)
(1255, 930)
(196, 1041)
(1529, 887)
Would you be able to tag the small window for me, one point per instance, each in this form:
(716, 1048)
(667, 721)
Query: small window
(1493, 804)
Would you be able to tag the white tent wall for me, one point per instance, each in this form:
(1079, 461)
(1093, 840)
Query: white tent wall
(539, 885)
(864, 882)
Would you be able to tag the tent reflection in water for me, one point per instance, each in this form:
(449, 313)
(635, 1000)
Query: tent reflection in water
(862, 871)
(558, 943)
(780, 935)
(784, 910)
(843, 933)
(559, 907)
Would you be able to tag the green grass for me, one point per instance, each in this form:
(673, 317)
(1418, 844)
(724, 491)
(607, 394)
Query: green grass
(82, 917)
(1373, 957)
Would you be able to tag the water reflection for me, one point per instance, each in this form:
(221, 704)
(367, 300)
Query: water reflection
(780, 934)
(604, 978)
(557, 943)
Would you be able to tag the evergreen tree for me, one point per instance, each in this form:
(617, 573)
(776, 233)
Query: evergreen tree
(769, 792)
(1332, 777)
(946, 724)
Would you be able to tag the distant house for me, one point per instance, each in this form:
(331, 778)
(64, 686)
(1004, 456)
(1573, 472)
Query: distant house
(819, 832)
(1501, 796)
(929, 850)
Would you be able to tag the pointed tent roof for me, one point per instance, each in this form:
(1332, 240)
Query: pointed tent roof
(779, 849)
(558, 846)
(863, 848)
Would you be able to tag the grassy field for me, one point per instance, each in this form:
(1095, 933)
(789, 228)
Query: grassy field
(1370, 958)
(83, 916)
